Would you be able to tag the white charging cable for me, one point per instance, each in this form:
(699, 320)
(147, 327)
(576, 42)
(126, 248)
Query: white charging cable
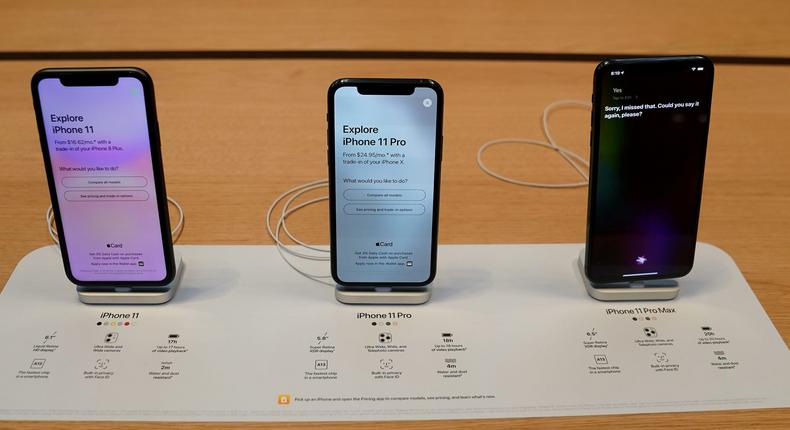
(581, 165)
(311, 252)
(175, 232)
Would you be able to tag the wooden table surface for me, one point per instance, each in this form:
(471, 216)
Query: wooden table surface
(238, 131)
(716, 28)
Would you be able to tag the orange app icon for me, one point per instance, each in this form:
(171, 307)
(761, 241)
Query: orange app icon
(283, 399)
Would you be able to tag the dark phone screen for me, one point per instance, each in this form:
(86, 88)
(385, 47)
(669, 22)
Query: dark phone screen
(648, 155)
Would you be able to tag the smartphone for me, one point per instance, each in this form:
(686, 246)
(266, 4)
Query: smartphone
(384, 153)
(100, 141)
(648, 141)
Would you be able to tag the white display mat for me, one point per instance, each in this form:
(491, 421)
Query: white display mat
(509, 332)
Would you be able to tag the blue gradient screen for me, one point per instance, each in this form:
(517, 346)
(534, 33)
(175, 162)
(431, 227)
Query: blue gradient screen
(647, 169)
(385, 155)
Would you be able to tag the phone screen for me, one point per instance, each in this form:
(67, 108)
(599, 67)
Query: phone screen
(100, 153)
(651, 126)
(385, 158)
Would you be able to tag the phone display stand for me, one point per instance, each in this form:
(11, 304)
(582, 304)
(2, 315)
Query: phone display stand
(654, 289)
(383, 295)
(124, 295)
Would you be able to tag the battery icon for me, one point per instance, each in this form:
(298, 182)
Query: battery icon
(173, 336)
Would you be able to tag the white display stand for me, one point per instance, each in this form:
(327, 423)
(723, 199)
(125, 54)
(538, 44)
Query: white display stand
(509, 332)
(125, 295)
(383, 295)
(655, 289)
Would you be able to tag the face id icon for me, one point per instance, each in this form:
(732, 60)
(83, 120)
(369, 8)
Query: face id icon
(385, 364)
(102, 364)
(385, 337)
(600, 359)
(38, 363)
(283, 399)
(111, 337)
(321, 364)
(650, 332)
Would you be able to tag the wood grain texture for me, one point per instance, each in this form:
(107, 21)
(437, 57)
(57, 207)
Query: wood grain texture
(745, 28)
(237, 133)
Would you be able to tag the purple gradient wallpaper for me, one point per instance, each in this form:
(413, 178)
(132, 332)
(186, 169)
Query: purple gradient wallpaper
(98, 143)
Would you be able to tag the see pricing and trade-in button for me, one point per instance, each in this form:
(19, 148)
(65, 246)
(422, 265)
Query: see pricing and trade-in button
(382, 209)
(106, 195)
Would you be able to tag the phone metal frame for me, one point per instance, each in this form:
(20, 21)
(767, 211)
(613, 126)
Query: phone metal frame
(383, 292)
(602, 68)
(100, 76)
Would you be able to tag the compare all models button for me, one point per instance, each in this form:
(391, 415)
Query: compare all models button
(104, 181)
(106, 196)
(382, 209)
(353, 194)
